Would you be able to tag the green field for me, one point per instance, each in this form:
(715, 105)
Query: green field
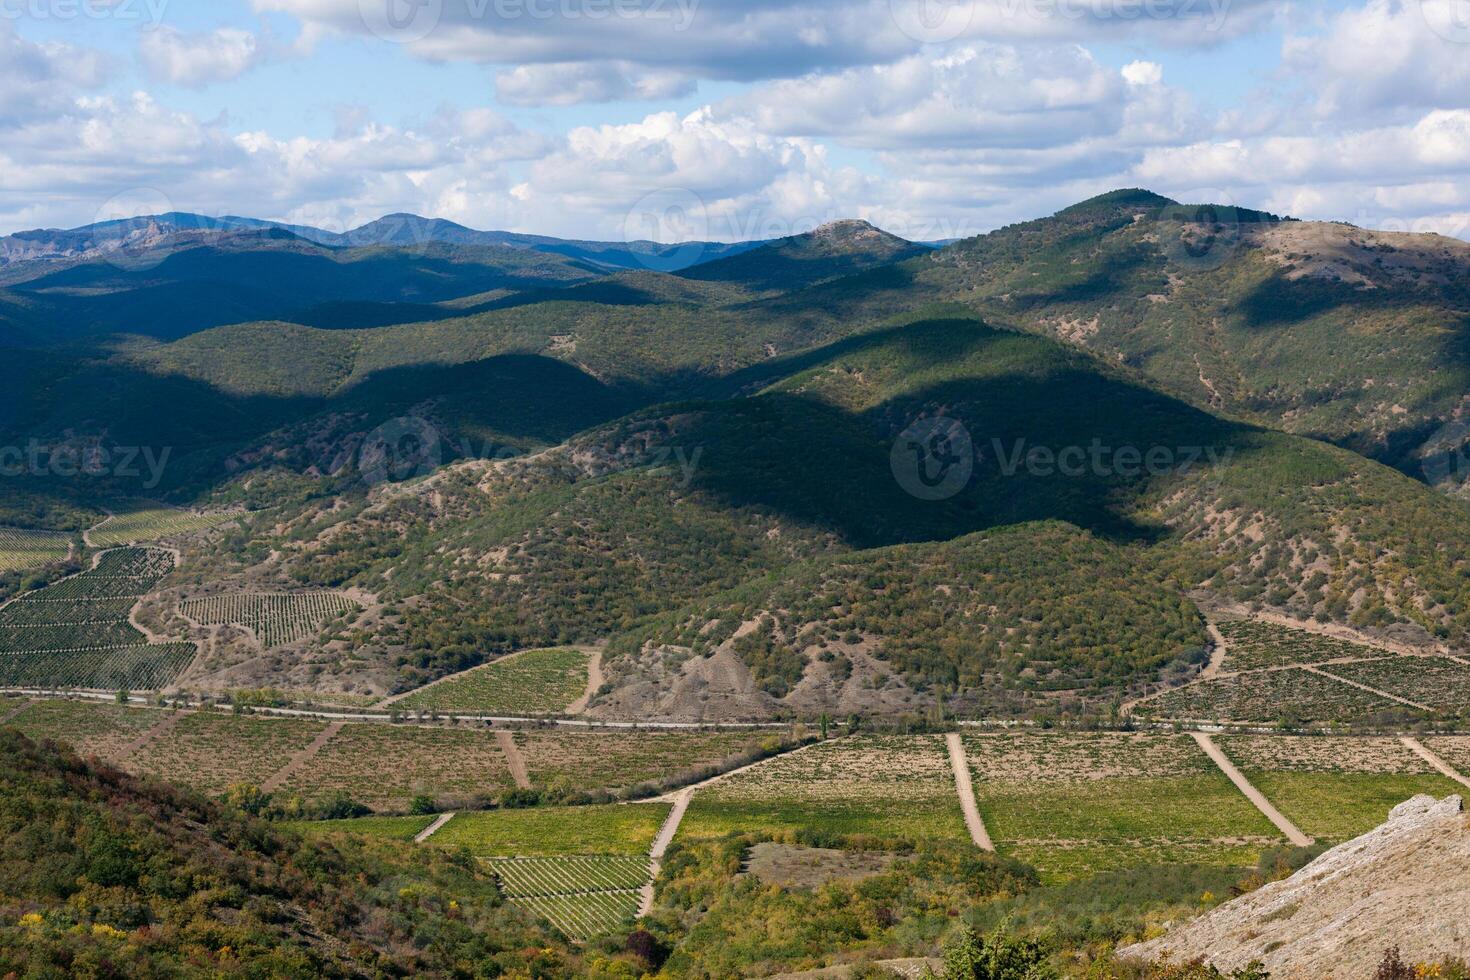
(1334, 789)
(536, 682)
(1077, 804)
(1338, 806)
(1254, 645)
(385, 828)
(210, 752)
(582, 897)
(897, 787)
(276, 618)
(614, 759)
(75, 633)
(626, 829)
(152, 524)
(584, 917)
(384, 766)
(22, 548)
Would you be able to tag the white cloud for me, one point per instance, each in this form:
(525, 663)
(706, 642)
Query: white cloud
(976, 96)
(197, 60)
(1385, 55)
(574, 83)
(39, 80)
(1143, 73)
(751, 40)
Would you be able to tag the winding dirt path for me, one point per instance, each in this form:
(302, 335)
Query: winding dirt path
(300, 759)
(1256, 797)
(1419, 749)
(433, 828)
(594, 684)
(966, 790)
(513, 758)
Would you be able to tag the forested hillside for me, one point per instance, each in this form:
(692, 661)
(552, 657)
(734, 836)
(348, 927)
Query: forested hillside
(714, 472)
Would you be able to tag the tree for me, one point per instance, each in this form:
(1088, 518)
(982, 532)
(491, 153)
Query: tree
(997, 956)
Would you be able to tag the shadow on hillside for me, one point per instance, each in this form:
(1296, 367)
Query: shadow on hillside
(821, 465)
(512, 402)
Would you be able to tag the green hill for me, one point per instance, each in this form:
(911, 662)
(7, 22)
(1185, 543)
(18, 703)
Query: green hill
(682, 517)
(1327, 330)
(102, 874)
(832, 251)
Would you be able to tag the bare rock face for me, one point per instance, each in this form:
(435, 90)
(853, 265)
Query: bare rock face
(1405, 884)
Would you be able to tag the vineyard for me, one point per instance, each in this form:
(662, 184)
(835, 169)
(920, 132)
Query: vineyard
(276, 618)
(1292, 695)
(898, 787)
(540, 682)
(1073, 805)
(75, 633)
(152, 524)
(21, 548)
(1255, 645)
(582, 897)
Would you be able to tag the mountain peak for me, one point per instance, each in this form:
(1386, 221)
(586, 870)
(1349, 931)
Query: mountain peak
(1134, 197)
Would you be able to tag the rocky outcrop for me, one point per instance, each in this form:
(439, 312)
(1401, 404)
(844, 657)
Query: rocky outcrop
(1404, 884)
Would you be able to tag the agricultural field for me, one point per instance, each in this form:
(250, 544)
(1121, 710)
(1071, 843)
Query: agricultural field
(582, 918)
(1434, 682)
(613, 759)
(381, 828)
(536, 682)
(90, 727)
(1454, 750)
(384, 766)
(75, 633)
(1294, 695)
(582, 897)
(1074, 805)
(276, 618)
(1334, 789)
(626, 830)
(211, 752)
(890, 786)
(21, 548)
(1254, 645)
(152, 524)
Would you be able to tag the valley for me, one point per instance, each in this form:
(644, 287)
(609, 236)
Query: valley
(1051, 579)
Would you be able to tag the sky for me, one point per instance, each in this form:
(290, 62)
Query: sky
(730, 119)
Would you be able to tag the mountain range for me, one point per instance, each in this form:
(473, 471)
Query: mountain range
(725, 472)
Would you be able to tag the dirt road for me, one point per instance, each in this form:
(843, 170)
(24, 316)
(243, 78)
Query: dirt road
(1256, 797)
(966, 790)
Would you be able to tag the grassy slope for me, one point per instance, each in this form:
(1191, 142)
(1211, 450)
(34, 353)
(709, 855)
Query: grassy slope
(102, 873)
